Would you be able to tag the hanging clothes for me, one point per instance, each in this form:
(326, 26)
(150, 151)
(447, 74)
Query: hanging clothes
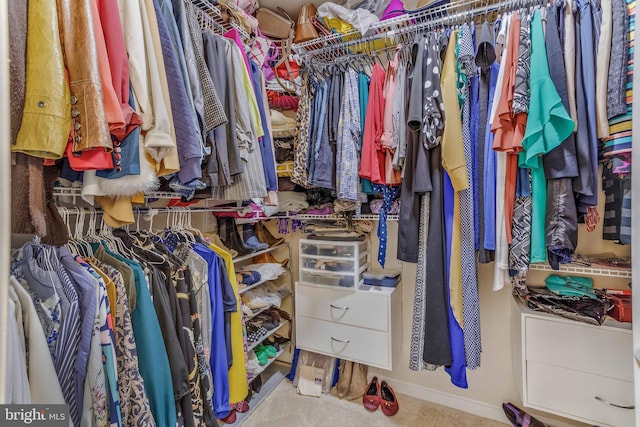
(251, 183)
(322, 161)
(301, 142)
(470, 302)
(390, 91)
(238, 371)
(44, 387)
(266, 143)
(348, 140)
(500, 275)
(588, 195)
(453, 162)
(457, 370)
(546, 129)
(45, 125)
(218, 357)
(409, 216)
(372, 158)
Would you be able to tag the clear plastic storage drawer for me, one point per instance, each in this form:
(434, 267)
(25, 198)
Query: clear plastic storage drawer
(333, 263)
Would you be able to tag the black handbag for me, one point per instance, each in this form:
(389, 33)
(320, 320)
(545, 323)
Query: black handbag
(582, 308)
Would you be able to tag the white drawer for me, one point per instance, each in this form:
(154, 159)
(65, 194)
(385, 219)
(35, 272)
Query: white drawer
(346, 342)
(598, 350)
(332, 278)
(349, 307)
(573, 394)
(333, 264)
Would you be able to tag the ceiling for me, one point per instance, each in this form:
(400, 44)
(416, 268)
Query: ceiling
(293, 6)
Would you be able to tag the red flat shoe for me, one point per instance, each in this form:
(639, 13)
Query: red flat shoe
(371, 397)
(388, 401)
(231, 418)
(241, 407)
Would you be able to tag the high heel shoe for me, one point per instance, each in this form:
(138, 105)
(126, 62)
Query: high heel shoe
(263, 235)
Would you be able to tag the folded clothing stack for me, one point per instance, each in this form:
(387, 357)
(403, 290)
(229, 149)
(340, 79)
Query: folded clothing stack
(267, 271)
(268, 294)
(386, 278)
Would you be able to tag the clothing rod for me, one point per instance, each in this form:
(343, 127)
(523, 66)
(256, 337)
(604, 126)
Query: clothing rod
(5, 190)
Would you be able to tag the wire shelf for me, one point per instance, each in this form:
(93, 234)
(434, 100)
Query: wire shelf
(399, 29)
(210, 17)
(76, 192)
(365, 217)
(592, 271)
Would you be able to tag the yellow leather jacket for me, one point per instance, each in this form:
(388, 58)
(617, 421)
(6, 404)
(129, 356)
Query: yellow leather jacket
(46, 120)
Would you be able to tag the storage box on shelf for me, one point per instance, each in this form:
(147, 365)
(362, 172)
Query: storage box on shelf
(333, 263)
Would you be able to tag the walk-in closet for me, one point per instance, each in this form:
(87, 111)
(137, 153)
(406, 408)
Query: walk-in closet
(347, 213)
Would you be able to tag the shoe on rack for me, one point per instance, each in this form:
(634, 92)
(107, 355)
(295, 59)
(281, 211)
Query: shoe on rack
(388, 401)
(344, 380)
(231, 238)
(256, 384)
(268, 258)
(371, 398)
(263, 235)
(250, 239)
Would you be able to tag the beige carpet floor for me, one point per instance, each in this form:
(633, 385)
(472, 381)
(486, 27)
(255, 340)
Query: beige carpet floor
(285, 408)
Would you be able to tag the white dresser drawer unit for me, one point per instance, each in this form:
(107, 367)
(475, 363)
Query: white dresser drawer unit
(573, 369)
(350, 324)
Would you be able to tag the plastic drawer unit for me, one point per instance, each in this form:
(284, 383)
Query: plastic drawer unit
(333, 263)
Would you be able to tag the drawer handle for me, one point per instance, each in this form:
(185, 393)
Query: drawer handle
(342, 341)
(600, 399)
(339, 308)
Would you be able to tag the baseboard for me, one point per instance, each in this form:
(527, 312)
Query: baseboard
(464, 404)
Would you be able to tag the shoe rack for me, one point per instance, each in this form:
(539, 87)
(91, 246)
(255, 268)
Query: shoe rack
(274, 371)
